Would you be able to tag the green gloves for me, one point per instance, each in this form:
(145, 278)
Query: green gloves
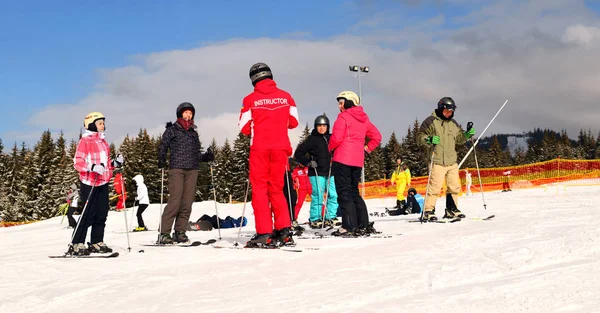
(433, 140)
(470, 132)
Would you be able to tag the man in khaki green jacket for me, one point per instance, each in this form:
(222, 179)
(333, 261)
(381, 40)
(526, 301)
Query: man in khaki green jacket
(443, 133)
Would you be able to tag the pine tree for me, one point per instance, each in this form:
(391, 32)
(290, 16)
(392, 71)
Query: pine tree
(565, 148)
(20, 165)
(42, 203)
(586, 145)
(241, 155)
(495, 157)
(205, 189)
(414, 154)
(519, 158)
(374, 165)
(223, 173)
(391, 152)
(62, 174)
(3, 184)
(305, 134)
(550, 145)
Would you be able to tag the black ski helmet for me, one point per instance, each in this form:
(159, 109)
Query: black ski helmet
(260, 71)
(446, 103)
(322, 120)
(185, 106)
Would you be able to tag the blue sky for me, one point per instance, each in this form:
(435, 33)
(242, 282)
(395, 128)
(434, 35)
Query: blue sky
(52, 51)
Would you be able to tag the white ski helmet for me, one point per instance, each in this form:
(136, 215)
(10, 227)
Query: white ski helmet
(349, 95)
(91, 118)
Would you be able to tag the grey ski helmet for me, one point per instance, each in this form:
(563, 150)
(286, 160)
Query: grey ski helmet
(322, 120)
(260, 71)
(185, 106)
(447, 103)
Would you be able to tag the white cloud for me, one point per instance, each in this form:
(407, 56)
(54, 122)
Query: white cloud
(537, 54)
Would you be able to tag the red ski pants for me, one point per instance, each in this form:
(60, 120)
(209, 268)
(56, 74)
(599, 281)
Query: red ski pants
(267, 171)
(301, 197)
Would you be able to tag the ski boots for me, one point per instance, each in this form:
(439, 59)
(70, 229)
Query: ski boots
(429, 216)
(315, 224)
(99, 247)
(297, 226)
(165, 239)
(260, 241)
(283, 237)
(78, 249)
(453, 213)
(180, 237)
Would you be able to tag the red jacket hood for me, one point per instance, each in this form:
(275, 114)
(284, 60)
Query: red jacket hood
(266, 86)
(357, 113)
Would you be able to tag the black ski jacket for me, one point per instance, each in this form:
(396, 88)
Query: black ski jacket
(315, 147)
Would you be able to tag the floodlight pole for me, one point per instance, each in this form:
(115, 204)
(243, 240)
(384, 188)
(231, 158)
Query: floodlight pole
(360, 71)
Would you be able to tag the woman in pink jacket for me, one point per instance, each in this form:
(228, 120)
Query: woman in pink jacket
(348, 145)
(92, 161)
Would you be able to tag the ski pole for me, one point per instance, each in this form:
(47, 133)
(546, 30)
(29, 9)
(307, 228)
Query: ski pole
(132, 209)
(469, 126)
(318, 190)
(474, 144)
(84, 209)
(287, 182)
(427, 186)
(212, 179)
(326, 194)
(162, 191)
(243, 211)
(125, 215)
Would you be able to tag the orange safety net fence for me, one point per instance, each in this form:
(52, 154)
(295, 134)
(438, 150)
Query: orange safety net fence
(563, 171)
(567, 172)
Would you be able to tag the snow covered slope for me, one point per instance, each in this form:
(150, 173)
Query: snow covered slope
(540, 254)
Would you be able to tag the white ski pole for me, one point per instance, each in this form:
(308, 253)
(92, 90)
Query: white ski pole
(212, 178)
(483, 132)
(243, 211)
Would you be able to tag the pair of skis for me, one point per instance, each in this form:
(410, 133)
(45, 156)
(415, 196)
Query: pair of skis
(91, 256)
(189, 244)
(116, 254)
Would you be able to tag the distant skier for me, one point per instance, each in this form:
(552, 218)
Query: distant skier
(92, 161)
(506, 183)
(119, 186)
(303, 187)
(72, 201)
(469, 182)
(400, 178)
(413, 204)
(443, 134)
(143, 201)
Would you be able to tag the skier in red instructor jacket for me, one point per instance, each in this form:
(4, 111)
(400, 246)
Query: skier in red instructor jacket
(266, 115)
